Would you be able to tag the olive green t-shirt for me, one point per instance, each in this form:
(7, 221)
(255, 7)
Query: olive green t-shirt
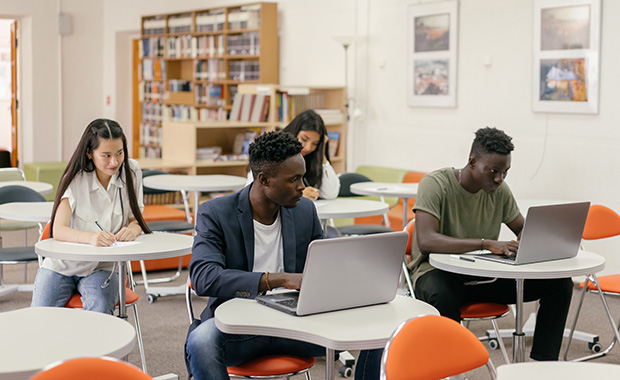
(461, 214)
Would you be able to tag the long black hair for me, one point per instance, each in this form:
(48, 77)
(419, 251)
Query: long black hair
(79, 162)
(311, 121)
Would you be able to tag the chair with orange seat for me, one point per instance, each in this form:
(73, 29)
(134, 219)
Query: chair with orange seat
(602, 223)
(103, 368)
(432, 347)
(266, 367)
(473, 311)
(131, 299)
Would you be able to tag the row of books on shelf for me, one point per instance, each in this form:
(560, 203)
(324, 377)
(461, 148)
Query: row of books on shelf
(150, 134)
(243, 70)
(208, 152)
(330, 116)
(210, 95)
(151, 112)
(246, 17)
(153, 69)
(180, 85)
(191, 113)
(211, 21)
(154, 25)
(151, 91)
(250, 107)
(212, 46)
(244, 44)
(152, 47)
(209, 69)
(180, 23)
(151, 152)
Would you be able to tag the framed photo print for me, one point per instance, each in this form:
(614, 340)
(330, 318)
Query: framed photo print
(567, 35)
(431, 54)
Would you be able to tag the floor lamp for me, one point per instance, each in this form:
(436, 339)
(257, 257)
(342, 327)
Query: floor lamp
(345, 42)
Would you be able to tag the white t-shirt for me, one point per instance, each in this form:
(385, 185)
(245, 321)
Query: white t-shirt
(268, 248)
(89, 201)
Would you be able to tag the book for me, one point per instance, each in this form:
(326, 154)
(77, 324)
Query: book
(259, 105)
(334, 140)
(236, 107)
(246, 107)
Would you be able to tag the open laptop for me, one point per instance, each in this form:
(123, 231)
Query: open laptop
(346, 272)
(550, 232)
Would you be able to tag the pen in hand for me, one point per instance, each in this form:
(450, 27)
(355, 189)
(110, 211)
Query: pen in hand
(104, 230)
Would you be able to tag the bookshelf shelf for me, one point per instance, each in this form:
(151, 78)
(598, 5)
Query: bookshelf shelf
(171, 47)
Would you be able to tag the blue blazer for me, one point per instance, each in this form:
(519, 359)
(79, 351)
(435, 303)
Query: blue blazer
(223, 251)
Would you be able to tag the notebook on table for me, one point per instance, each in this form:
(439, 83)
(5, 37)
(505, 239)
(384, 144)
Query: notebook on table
(550, 232)
(343, 273)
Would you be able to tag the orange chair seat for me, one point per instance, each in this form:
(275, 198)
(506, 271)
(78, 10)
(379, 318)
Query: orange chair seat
(609, 283)
(272, 365)
(92, 369)
(154, 213)
(75, 302)
(483, 310)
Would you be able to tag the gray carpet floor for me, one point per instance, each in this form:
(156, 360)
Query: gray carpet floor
(164, 323)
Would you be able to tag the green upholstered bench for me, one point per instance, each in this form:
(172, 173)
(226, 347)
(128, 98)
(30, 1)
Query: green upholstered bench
(49, 172)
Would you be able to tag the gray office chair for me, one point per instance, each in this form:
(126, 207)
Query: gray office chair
(18, 255)
(346, 180)
(14, 174)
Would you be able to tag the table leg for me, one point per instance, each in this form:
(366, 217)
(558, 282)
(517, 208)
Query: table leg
(330, 358)
(196, 204)
(122, 278)
(518, 337)
(405, 201)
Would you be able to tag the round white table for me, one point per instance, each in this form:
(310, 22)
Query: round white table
(39, 187)
(360, 328)
(39, 212)
(195, 183)
(386, 189)
(348, 208)
(558, 370)
(35, 337)
(157, 245)
(582, 264)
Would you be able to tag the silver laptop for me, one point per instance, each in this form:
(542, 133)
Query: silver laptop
(550, 232)
(343, 273)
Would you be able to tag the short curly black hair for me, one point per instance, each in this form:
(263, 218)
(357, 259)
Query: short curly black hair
(491, 140)
(270, 149)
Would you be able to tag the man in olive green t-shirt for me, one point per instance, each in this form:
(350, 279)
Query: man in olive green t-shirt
(461, 210)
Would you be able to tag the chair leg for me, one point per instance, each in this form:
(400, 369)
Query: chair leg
(162, 279)
(500, 341)
(139, 335)
(25, 272)
(408, 279)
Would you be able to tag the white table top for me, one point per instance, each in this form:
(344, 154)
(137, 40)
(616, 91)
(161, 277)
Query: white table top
(349, 208)
(39, 187)
(157, 245)
(39, 212)
(205, 183)
(32, 338)
(584, 263)
(558, 370)
(352, 329)
(401, 190)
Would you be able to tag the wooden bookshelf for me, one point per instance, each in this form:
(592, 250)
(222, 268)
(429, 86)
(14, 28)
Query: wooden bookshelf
(191, 63)
(181, 139)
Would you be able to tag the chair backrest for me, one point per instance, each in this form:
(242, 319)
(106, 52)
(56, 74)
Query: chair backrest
(602, 222)
(93, 369)
(409, 228)
(19, 194)
(432, 347)
(413, 177)
(11, 174)
(347, 179)
(45, 234)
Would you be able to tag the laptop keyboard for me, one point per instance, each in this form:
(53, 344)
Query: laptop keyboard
(289, 303)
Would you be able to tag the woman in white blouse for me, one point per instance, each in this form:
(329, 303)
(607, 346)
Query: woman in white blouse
(100, 191)
(320, 178)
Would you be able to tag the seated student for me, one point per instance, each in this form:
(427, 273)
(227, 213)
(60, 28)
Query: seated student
(100, 184)
(320, 179)
(250, 242)
(461, 210)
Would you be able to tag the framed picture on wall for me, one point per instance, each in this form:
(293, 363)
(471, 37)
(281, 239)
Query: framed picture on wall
(432, 58)
(567, 35)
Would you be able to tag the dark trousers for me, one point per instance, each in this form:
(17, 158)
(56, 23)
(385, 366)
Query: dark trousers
(447, 292)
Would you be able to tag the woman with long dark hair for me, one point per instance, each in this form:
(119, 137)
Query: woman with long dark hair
(99, 202)
(320, 178)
